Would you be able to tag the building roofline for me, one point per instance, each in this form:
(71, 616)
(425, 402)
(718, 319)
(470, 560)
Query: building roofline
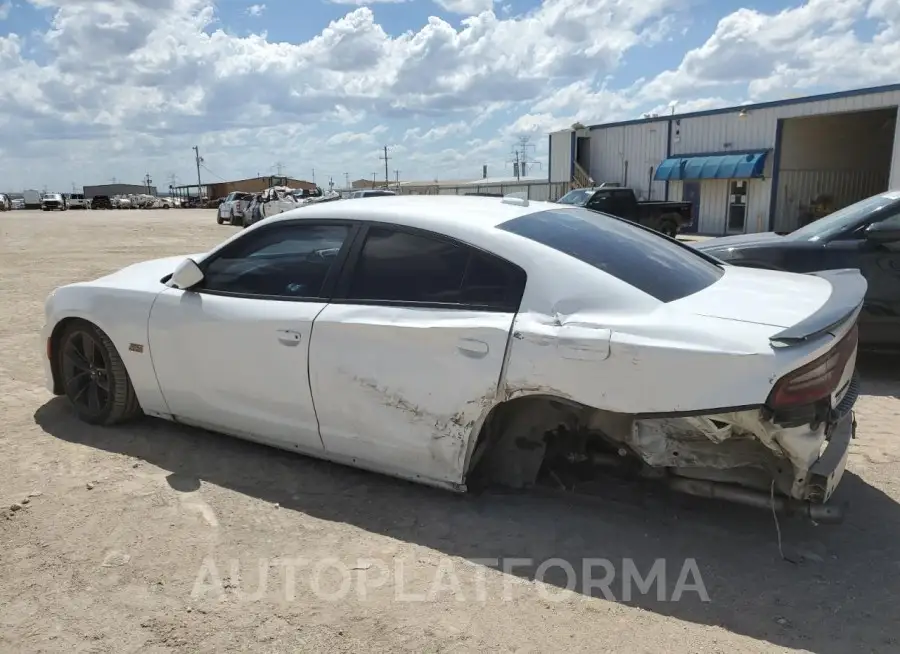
(887, 88)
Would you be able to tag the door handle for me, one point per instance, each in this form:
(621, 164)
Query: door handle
(289, 337)
(472, 348)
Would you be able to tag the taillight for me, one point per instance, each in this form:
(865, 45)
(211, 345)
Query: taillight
(817, 379)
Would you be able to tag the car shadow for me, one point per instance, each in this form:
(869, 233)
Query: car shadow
(836, 594)
(880, 373)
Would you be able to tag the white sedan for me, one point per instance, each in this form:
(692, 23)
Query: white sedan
(457, 341)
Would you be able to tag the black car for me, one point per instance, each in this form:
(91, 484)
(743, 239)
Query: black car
(864, 235)
(101, 202)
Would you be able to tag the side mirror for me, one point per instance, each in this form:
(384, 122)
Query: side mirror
(883, 232)
(186, 275)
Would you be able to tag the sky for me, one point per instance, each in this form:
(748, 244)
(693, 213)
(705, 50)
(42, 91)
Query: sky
(96, 90)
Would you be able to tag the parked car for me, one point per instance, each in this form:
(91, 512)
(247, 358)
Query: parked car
(5, 202)
(77, 201)
(864, 235)
(53, 201)
(101, 202)
(232, 210)
(666, 217)
(462, 341)
(18, 203)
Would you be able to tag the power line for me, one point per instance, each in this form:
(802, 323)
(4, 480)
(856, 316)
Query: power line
(219, 177)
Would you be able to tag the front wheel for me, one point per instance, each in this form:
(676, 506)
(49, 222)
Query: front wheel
(94, 377)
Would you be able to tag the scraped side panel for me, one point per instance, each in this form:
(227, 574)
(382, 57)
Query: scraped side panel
(401, 389)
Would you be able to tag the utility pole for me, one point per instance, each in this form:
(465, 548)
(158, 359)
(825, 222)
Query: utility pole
(198, 160)
(314, 176)
(520, 159)
(147, 182)
(375, 174)
(347, 180)
(397, 177)
(386, 158)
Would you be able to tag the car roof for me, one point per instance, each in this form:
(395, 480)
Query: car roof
(439, 213)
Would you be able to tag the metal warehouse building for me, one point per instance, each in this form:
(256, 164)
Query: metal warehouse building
(118, 189)
(752, 168)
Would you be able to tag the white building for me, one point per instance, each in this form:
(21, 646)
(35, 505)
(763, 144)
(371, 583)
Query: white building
(751, 168)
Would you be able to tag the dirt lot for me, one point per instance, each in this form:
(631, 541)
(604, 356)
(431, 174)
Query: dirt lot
(113, 528)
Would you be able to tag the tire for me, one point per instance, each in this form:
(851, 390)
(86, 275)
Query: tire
(116, 404)
(670, 229)
(219, 219)
(235, 221)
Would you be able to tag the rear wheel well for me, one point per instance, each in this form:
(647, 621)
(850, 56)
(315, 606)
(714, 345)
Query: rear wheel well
(511, 445)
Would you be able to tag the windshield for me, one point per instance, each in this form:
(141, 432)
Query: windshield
(846, 218)
(664, 269)
(578, 197)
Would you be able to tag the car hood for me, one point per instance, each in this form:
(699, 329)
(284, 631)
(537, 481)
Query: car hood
(739, 241)
(144, 275)
(763, 297)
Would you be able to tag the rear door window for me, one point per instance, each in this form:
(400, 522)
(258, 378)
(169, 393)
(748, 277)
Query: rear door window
(399, 267)
(663, 269)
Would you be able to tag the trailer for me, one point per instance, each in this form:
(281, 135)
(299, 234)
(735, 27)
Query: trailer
(32, 199)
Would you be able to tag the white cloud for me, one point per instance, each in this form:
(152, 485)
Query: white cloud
(119, 85)
(5, 8)
(256, 10)
(467, 7)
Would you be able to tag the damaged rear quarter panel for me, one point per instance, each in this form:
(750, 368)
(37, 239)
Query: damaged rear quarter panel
(652, 362)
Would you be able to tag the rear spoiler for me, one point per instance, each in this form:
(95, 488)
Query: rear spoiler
(848, 288)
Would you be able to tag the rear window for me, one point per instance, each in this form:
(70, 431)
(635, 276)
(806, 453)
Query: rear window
(648, 261)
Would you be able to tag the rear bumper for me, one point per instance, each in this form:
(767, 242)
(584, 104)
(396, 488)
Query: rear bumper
(826, 473)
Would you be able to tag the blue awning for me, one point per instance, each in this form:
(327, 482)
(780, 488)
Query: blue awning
(734, 165)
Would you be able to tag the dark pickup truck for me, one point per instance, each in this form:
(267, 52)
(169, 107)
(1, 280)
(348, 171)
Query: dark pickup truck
(665, 217)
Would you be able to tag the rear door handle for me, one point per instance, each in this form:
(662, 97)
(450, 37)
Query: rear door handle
(289, 337)
(472, 348)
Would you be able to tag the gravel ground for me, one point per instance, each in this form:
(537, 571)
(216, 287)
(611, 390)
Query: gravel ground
(155, 538)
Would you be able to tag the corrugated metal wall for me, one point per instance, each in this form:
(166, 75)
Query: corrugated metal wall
(561, 156)
(641, 145)
(723, 132)
(844, 156)
(797, 188)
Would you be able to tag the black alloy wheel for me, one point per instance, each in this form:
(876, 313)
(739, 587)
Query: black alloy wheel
(94, 376)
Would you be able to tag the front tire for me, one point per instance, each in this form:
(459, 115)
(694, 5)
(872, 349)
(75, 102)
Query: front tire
(94, 377)
(219, 220)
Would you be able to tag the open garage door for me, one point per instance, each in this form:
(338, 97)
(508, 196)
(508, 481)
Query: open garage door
(828, 162)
